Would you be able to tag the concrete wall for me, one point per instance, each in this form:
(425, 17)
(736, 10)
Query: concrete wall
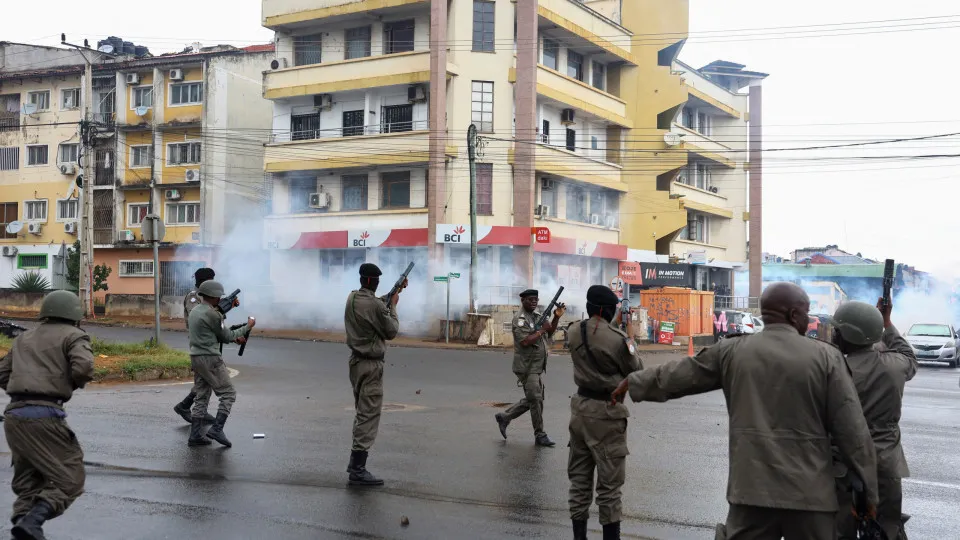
(142, 305)
(16, 301)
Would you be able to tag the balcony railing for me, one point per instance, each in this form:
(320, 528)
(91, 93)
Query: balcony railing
(350, 131)
(105, 118)
(9, 121)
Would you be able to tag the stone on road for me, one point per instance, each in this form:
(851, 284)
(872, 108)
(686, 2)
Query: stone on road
(445, 464)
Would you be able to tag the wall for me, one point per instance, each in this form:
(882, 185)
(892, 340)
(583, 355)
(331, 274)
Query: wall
(9, 265)
(181, 113)
(332, 182)
(143, 305)
(332, 120)
(118, 285)
(16, 301)
(21, 57)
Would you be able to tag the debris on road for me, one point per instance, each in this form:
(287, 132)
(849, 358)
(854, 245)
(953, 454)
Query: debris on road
(404, 521)
(259, 436)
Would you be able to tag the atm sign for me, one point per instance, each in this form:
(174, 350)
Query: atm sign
(542, 235)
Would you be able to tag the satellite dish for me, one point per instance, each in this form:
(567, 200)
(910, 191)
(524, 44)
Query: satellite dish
(29, 108)
(14, 227)
(672, 139)
(106, 49)
(141, 110)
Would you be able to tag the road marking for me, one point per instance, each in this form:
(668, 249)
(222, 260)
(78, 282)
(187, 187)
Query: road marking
(233, 373)
(930, 483)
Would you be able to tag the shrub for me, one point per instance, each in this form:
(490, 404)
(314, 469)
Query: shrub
(30, 282)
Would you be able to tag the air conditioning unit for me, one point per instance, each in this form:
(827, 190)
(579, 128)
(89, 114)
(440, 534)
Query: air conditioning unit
(542, 210)
(133, 78)
(127, 236)
(323, 101)
(416, 93)
(611, 222)
(172, 194)
(546, 183)
(9, 251)
(192, 175)
(682, 178)
(70, 227)
(68, 168)
(175, 75)
(567, 117)
(319, 200)
(594, 219)
(35, 228)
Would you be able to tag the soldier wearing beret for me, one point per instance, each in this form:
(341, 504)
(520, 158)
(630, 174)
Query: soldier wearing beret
(530, 351)
(370, 322)
(603, 356)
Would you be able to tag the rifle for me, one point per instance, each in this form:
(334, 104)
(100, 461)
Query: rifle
(624, 314)
(399, 284)
(549, 311)
(246, 336)
(226, 303)
(889, 270)
(10, 329)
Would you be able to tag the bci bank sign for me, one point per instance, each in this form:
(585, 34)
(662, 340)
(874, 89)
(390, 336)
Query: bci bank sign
(454, 234)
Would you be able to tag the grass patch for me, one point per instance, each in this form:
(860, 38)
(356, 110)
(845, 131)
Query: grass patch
(131, 361)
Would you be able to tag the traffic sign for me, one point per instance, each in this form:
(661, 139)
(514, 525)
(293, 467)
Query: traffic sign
(148, 230)
(440, 279)
(455, 275)
(541, 234)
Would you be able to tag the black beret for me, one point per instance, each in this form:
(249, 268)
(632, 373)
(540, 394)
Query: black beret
(370, 270)
(601, 295)
(205, 274)
(529, 292)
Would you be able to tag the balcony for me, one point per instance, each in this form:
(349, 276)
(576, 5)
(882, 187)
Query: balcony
(702, 200)
(571, 93)
(708, 148)
(350, 131)
(323, 153)
(589, 26)
(279, 14)
(564, 163)
(702, 89)
(370, 72)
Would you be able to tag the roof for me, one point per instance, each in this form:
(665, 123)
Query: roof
(777, 271)
(45, 72)
(266, 47)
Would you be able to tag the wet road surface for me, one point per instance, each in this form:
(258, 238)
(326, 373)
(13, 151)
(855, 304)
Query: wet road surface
(444, 462)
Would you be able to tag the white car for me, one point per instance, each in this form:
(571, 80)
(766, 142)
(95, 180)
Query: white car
(934, 343)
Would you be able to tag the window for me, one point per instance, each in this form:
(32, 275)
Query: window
(483, 25)
(484, 189)
(703, 124)
(67, 209)
(69, 99)
(183, 213)
(353, 123)
(8, 214)
(358, 42)
(37, 155)
(571, 140)
(396, 189)
(548, 198)
(186, 93)
(307, 50)
(9, 159)
(482, 106)
(545, 132)
(696, 229)
(575, 65)
(398, 36)
(32, 261)
(702, 176)
(577, 204)
(599, 76)
(305, 127)
(136, 268)
(397, 118)
(140, 156)
(300, 189)
(687, 119)
(40, 99)
(142, 97)
(354, 192)
(551, 53)
(181, 153)
(35, 210)
(594, 143)
(136, 213)
(68, 153)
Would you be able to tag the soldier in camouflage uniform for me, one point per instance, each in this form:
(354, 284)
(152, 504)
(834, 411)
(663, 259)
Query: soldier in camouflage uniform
(603, 356)
(530, 351)
(369, 322)
(40, 374)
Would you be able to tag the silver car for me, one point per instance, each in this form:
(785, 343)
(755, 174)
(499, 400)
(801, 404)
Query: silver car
(934, 343)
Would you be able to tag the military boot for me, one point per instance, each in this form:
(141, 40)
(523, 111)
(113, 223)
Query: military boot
(30, 526)
(579, 529)
(183, 409)
(196, 434)
(359, 475)
(611, 531)
(502, 422)
(544, 440)
(216, 430)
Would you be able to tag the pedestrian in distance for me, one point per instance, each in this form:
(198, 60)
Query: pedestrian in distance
(207, 332)
(42, 370)
(603, 356)
(788, 398)
(530, 350)
(370, 322)
(879, 375)
(190, 301)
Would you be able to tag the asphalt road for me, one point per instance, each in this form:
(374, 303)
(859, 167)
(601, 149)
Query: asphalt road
(444, 462)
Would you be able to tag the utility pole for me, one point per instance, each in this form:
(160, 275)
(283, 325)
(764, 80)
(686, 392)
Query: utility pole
(87, 134)
(472, 153)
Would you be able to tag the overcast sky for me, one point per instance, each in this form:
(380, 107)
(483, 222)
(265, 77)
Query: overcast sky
(821, 90)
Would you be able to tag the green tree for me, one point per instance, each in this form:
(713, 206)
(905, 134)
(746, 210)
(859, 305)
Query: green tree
(100, 274)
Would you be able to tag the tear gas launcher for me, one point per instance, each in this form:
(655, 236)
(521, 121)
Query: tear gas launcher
(549, 311)
(399, 284)
(889, 270)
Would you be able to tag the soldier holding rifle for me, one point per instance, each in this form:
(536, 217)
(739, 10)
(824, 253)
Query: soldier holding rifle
(530, 334)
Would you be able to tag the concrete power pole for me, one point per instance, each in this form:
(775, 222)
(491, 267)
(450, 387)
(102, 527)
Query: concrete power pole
(472, 154)
(755, 206)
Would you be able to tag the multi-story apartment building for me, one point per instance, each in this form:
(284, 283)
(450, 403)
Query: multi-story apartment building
(372, 101)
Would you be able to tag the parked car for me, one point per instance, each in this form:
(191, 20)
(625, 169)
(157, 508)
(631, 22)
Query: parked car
(728, 322)
(934, 342)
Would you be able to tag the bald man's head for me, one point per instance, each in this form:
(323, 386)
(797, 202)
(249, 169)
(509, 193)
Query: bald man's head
(786, 303)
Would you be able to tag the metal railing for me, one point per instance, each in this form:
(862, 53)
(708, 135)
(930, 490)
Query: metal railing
(9, 121)
(349, 131)
(106, 118)
(736, 302)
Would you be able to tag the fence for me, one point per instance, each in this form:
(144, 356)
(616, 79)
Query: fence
(736, 302)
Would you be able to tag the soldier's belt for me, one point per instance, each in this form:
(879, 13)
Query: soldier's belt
(364, 356)
(593, 394)
(16, 398)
